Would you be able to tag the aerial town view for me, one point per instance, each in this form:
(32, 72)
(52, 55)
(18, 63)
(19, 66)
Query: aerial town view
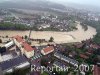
(49, 37)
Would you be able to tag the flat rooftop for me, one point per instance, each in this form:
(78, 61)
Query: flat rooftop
(6, 65)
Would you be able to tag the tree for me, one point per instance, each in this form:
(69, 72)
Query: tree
(6, 36)
(51, 39)
(26, 37)
(0, 41)
(2, 49)
(44, 62)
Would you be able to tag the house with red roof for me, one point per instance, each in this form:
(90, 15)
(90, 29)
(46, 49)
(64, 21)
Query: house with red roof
(96, 70)
(18, 40)
(25, 48)
(1, 19)
(94, 46)
(84, 56)
(47, 50)
(28, 50)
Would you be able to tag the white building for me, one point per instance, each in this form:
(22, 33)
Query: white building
(9, 44)
(25, 48)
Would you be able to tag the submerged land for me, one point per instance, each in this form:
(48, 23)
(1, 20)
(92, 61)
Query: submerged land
(59, 37)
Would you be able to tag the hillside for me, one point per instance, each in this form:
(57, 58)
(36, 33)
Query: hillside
(34, 4)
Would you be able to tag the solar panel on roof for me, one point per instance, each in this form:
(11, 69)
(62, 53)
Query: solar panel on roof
(64, 58)
(14, 62)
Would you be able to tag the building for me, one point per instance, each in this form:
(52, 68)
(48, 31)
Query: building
(72, 54)
(13, 64)
(66, 59)
(25, 48)
(5, 57)
(47, 50)
(1, 19)
(84, 56)
(79, 45)
(96, 70)
(59, 65)
(1, 72)
(9, 44)
(94, 46)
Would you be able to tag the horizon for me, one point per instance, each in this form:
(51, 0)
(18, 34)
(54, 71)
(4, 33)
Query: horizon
(64, 2)
(80, 2)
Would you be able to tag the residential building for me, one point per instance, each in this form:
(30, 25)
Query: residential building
(66, 59)
(59, 65)
(9, 44)
(84, 56)
(1, 19)
(25, 48)
(47, 50)
(13, 64)
(96, 70)
(1, 72)
(6, 57)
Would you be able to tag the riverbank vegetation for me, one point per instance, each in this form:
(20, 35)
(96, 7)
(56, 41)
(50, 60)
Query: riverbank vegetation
(95, 24)
(22, 27)
(11, 26)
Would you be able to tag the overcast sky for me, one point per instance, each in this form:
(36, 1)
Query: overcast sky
(88, 2)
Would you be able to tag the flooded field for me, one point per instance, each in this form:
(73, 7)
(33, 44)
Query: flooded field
(59, 37)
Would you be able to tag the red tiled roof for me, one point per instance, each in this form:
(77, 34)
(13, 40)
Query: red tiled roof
(27, 47)
(84, 56)
(18, 38)
(48, 49)
(88, 53)
(79, 45)
(96, 70)
(94, 46)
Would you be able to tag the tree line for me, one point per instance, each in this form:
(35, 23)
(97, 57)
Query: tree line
(95, 24)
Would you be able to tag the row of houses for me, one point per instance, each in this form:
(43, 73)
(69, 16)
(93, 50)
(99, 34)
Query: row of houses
(66, 59)
(59, 65)
(13, 64)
